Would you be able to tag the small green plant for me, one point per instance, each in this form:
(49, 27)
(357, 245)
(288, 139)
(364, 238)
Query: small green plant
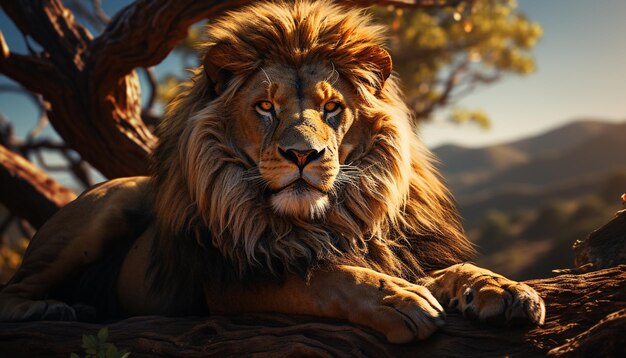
(98, 347)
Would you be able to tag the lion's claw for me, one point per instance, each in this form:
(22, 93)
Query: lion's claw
(501, 303)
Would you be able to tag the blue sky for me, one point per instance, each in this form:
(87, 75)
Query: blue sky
(581, 73)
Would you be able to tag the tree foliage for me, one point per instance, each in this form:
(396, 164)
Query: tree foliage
(443, 54)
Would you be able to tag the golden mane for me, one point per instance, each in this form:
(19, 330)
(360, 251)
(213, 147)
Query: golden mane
(396, 217)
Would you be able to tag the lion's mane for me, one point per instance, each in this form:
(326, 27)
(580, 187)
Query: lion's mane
(395, 217)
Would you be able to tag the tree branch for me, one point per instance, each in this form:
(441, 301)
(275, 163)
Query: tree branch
(54, 27)
(444, 98)
(35, 74)
(87, 15)
(103, 121)
(143, 34)
(585, 314)
(97, 6)
(29, 192)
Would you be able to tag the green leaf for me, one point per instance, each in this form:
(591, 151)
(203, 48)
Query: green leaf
(74, 355)
(103, 334)
(86, 343)
(93, 341)
(111, 351)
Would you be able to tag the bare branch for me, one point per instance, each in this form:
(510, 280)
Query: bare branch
(143, 34)
(53, 27)
(29, 192)
(448, 86)
(90, 17)
(42, 121)
(97, 7)
(36, 74)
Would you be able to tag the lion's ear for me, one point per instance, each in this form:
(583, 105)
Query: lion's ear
(378, 63)
(381, 58)
(214, 63)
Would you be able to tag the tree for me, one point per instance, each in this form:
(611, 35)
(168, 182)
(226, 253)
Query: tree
(443, 54)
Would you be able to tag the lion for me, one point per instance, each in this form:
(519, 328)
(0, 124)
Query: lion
(288, 178)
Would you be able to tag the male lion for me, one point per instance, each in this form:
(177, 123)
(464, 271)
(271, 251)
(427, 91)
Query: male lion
(287, 179)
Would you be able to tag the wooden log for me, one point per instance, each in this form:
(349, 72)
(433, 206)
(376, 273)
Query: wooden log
(586, 314)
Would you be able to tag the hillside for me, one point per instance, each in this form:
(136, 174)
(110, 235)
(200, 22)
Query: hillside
(570, 153)
(571, 160)
(511, 194)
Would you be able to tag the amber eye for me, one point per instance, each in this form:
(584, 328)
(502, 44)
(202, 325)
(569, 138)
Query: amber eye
(265, 106)
(330, 107)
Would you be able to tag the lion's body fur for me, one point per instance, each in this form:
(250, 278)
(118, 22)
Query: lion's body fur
(397, 218)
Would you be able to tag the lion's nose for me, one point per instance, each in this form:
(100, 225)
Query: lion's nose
(300, 157)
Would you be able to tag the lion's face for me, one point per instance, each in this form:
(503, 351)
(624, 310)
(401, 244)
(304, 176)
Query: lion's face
(292, 122)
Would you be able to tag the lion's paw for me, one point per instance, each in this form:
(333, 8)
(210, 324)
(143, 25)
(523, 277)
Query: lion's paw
(500, 301)
(405, 313)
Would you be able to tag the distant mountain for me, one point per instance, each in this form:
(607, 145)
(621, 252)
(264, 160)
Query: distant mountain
(567, 161)
(562, 138)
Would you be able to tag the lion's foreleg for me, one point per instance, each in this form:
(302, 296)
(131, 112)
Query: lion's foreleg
(483, 294)
(394, 307)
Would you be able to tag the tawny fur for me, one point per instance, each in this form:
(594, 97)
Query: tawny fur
(396, 217)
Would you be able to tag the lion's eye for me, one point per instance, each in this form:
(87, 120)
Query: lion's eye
(331, 107)
(264, 107)
(331, 110)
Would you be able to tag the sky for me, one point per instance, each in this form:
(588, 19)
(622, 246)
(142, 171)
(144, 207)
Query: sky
(581, 74)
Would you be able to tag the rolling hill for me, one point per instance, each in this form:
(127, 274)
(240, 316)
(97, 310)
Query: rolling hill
(525, 202)
(572, 160)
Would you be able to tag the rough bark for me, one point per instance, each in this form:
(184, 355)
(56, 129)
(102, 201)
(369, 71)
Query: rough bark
(605, 247)
(27, 191)
(586, 314)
